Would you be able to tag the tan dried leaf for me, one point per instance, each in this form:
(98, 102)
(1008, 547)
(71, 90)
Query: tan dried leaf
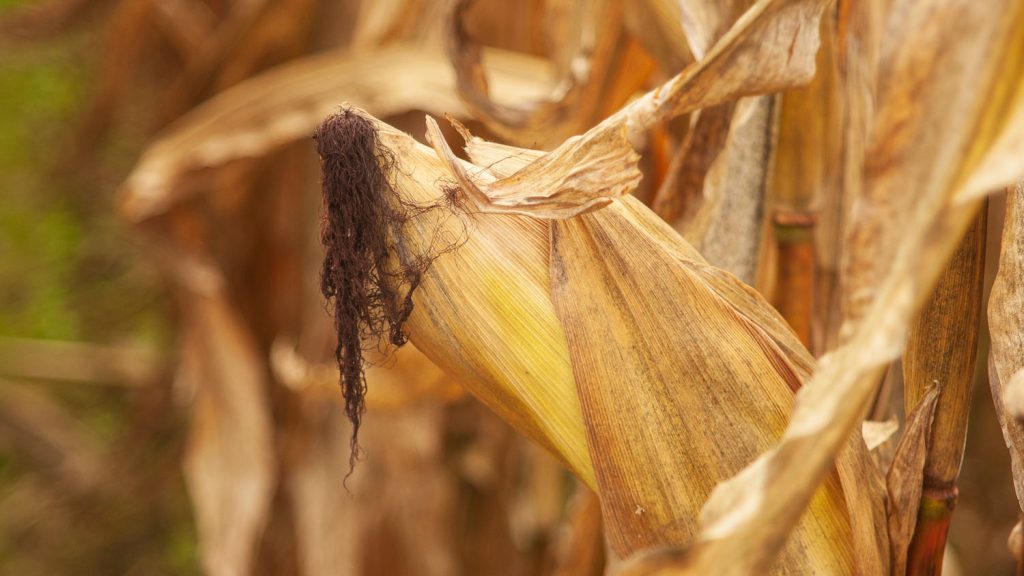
(749, 59)
(573, 104)
(1006, 326)
(283, 105)
(229, 459)
(726, 227)
(878, 433)
(774, 489)
(906, 476)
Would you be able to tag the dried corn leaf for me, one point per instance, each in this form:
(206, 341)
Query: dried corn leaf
(547, 188)
(655, 23)
(1006, 326)
(941, 352)
(679, 197)
(906, 477)
(229, 459)
(705, 22)
(726, 227)
(775, 488)
(574, 102)
(770, 48)
(749, 59)
(285, 104)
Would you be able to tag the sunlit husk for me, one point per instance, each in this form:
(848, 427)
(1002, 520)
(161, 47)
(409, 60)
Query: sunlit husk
(484, 314)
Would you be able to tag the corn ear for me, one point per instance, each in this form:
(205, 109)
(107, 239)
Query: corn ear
(572, 310)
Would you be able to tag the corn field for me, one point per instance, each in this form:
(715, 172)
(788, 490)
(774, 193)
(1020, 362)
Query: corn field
(553, 287)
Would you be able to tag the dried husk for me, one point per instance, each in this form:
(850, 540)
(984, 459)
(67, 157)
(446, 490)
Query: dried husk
(616, 284)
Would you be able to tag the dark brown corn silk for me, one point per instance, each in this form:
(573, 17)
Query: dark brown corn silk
(368, 276)
(355, 280)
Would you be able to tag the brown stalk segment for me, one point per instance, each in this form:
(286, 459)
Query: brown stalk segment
(941, 349)
(793, 296)
(929, 542)
(805, 192)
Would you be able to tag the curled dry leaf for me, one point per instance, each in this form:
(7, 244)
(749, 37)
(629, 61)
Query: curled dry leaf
(555, 185)
(770, 48)
(574, 102)
(906, 476)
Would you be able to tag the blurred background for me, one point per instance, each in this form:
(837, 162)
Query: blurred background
(168, 403)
